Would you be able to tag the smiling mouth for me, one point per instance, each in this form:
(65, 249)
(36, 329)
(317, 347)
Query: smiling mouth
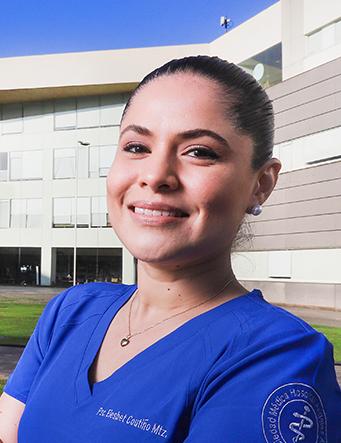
(157, 213)
(154, 211)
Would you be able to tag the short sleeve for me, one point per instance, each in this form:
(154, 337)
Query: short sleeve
(21, 379)
(280, 390)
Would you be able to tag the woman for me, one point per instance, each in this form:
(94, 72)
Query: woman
(189, 355)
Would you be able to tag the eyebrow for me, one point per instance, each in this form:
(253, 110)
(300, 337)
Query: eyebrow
(186, 135)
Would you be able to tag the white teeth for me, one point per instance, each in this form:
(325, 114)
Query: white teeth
(154, 212)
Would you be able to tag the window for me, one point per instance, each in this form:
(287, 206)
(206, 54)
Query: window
(99, 212)
(65, 116)
(4, 213)
(26, 165)
(64, 163)
(34, 117)
(34, 212)
(26, 213)
(101, 158)
(266, 67)
(111, 109)
(83, 212)
(323, 38)
(12, 118)
(64, 212)
(3, 166)
(338, 32)
(87, 112)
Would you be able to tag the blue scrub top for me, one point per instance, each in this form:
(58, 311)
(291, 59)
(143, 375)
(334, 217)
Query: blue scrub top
(244, 371)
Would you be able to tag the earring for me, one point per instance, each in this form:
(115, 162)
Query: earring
(256, 210)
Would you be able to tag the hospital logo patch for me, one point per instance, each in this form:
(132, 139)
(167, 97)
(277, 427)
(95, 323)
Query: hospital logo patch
(294, 413)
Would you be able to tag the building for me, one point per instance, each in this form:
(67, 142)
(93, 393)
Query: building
(58, 134)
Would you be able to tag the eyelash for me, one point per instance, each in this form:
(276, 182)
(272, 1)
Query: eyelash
(130, 146)
(205, 152)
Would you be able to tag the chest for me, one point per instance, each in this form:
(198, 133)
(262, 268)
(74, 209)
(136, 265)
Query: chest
(142, 394)
(112, 356)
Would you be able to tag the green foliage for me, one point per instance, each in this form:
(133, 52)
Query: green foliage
(2, 384)
(17, 321)
(334, 336)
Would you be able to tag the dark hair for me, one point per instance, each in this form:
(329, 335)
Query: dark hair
(249, 107)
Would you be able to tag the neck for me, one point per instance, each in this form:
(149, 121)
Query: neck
(162, 289)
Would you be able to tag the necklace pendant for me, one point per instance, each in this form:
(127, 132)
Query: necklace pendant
(125, 341)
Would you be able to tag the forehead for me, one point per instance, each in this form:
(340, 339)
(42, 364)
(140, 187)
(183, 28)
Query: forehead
(186, 95)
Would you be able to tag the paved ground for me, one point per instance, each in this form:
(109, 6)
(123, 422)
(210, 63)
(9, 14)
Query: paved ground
(315, 316)
(8, 359)
(29, 294)
(10, 355)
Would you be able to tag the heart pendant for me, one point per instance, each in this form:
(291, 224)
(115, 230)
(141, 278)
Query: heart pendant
(125, 342)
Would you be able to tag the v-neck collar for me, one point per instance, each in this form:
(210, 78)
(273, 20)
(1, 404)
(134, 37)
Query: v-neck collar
(83, 389)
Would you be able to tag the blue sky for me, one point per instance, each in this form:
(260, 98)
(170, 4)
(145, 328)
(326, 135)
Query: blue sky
(30, 27)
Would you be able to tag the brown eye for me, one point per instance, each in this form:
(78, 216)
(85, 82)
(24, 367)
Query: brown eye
(136, 148)
(204, 153)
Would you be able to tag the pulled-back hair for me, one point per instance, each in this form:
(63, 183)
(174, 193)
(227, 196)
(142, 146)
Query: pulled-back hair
(247, 104)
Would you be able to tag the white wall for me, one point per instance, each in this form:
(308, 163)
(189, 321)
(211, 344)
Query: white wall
(88, 68)
(300, 20)
(315, 265)
(296, 154)
(249, 39)
(318, 13)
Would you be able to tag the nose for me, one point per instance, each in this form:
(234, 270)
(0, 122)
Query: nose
(160, 174)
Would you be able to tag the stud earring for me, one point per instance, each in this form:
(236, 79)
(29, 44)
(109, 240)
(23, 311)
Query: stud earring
(256, 210)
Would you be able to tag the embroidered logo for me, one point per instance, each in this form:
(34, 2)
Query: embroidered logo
(294, 413)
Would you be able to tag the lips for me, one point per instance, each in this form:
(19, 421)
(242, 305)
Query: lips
(154, 209)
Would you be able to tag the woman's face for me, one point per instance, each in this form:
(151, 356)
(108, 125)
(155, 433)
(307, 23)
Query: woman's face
(182, 178)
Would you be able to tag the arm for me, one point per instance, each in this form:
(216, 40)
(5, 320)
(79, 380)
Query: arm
(17, 388)
(11, 411)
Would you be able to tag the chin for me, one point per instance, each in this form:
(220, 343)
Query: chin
(153, 255)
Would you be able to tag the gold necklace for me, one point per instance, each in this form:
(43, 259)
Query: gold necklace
(126, 340)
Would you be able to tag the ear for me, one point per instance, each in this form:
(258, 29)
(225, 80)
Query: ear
(266, 180)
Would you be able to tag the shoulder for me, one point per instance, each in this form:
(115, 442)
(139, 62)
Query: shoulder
(90, 292)
(254, 322)
(267, 339)
(80, 302)
(261, 321)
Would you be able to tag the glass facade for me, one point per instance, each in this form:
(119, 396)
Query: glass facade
(54, 156)
(266, 67)
(92, 264)
(20, 266)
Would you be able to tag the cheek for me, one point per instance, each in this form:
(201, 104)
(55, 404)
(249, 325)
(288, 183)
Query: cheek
(118, 179)
(223, 200)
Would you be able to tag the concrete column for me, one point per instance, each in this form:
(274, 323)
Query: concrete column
(46, 257)
(128, 267)
(53, 265)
